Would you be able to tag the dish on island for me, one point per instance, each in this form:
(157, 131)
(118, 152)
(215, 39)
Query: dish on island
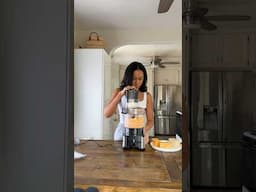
(170, 145)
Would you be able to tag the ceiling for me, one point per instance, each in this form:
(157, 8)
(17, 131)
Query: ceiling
(125, 14)
(129, 15)
(142, 14)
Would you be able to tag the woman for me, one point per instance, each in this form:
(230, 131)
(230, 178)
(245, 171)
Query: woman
(135, 77)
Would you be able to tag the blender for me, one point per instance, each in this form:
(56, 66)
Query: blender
(133, 136)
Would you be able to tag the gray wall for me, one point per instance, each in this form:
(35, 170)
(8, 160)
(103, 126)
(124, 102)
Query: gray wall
(36, 143)
(2, 142)
(2, 161)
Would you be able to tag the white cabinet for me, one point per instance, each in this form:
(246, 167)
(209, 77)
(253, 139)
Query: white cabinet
(92, 81)
(220, 50)
(168, 75)
(150, 85)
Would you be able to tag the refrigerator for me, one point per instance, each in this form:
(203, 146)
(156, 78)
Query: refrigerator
(167, 100)
(221, 110)
(92, 80)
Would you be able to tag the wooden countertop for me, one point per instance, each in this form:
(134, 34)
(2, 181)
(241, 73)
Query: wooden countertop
(110, 168)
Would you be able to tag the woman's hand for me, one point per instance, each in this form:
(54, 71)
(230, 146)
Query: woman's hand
(122, 92)
(146, 137)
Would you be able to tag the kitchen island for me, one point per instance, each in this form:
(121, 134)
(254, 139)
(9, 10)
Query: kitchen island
(110, 168)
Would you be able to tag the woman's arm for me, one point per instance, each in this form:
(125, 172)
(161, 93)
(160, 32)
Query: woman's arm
(149, 113)
(110, 108)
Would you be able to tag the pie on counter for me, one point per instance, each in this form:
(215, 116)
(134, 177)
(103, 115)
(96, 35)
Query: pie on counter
(170, 145)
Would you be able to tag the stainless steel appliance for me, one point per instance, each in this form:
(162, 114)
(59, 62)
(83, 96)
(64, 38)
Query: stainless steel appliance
(249, 160)
(221, 109)
(133, 136)
(167, 100)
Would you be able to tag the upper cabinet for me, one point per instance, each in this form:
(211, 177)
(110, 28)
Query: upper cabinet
(204, 50)
(234, 50)
(220, 50)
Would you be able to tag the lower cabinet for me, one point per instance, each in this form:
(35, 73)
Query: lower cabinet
(216, 165)
(208, 165)
(233, 165)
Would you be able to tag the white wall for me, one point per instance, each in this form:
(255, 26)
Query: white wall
(117, 38)
(169, 75)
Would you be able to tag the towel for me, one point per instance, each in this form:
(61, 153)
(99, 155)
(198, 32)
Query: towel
(78, 155)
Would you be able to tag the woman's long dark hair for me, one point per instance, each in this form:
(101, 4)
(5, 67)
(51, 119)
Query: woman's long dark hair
(128, 76)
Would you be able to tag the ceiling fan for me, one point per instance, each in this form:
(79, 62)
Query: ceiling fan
(164, 6)
(197, 17)
(157, 62)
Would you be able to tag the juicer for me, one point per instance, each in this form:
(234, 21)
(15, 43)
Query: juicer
(133, 136)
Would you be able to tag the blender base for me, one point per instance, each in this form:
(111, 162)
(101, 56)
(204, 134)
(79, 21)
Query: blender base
(133, 142)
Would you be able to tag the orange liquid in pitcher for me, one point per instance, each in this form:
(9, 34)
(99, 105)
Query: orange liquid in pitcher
(136, 122)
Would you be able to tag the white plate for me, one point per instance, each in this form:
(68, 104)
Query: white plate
(164, 149)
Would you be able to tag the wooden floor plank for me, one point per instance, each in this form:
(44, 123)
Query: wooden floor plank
(105, 188)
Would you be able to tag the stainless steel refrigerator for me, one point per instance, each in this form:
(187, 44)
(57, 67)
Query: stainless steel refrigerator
(167, 100)
(222, 108)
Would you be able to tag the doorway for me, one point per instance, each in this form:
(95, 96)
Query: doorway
(135, 34)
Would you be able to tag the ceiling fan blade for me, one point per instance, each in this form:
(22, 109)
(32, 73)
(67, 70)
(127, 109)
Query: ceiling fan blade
(157, 59)
(164, 6)
(228, 17)
(170, 62)
(207, 26)
(161, 65)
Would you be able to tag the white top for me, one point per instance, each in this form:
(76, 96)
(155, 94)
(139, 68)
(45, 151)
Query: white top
(123, 103)
(120, 128)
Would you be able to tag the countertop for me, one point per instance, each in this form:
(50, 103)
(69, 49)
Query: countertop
(110, 168)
